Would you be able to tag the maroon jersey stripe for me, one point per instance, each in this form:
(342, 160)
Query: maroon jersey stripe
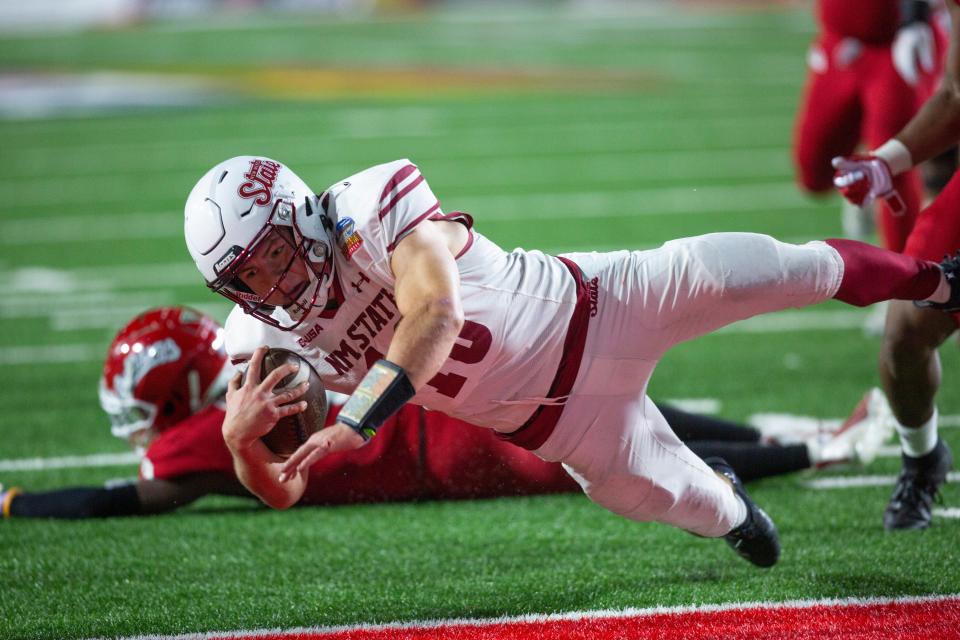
(384, 210)
(538, 428)
(406, 229)
(463, 218)
(397, 178)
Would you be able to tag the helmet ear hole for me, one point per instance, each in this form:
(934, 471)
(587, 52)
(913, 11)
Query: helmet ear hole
(169, 408)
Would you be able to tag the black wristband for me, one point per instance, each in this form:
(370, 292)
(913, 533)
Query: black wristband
(379, 395)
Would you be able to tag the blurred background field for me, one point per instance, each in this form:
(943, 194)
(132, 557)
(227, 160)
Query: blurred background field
(559, 125)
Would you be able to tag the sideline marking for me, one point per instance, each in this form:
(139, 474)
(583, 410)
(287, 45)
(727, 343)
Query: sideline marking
(438, 625)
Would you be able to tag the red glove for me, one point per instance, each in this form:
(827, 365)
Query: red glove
(861, 179)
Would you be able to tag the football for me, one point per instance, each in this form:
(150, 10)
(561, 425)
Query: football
(292, 431)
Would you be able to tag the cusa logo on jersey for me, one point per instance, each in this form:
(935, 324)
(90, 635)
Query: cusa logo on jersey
(260, 178)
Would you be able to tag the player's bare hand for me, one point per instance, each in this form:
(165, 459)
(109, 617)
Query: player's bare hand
(252, 407)
(338, 437)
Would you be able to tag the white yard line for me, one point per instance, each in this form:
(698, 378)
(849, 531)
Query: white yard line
(850, 482)
(548, 205)
(115, 314)
(71, 462)
(698, 405)
(52, 354)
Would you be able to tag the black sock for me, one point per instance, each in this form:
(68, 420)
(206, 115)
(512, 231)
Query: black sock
(754, 461)
(77, 502)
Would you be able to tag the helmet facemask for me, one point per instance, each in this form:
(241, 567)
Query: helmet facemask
(304, 232)
(131, 419)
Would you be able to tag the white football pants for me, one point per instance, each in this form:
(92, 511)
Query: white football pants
(611, 437)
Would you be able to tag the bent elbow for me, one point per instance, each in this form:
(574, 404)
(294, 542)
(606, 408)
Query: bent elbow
(278, 498)
(447, 313)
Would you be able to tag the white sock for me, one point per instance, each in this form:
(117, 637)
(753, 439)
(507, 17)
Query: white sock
(741, 512)
(942, 292)
(919, 441)
(813, 451)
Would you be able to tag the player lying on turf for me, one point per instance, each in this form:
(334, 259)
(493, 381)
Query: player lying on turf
(909, 364)
(392, 301)
(163, 384)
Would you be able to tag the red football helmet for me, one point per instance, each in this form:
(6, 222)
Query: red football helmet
(165, 365)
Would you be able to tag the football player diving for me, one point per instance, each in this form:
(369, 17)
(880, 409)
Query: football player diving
(162, 387)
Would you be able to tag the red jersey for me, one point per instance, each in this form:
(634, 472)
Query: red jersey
(871, 21)
(416, 455)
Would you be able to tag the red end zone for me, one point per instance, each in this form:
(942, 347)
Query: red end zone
(904, 619)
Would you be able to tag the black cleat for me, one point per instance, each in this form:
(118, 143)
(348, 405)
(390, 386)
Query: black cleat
(911, 505)
(756, 539)
(951, 270)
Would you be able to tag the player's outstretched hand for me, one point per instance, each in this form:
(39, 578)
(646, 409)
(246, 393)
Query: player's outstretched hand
(861, 179)
(337, 437)
(252, 407)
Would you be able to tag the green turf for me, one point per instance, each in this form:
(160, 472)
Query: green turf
(687, 130)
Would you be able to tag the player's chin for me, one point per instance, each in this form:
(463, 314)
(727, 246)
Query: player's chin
(293, 298)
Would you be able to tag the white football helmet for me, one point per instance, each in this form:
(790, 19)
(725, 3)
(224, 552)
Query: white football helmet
(239, 203)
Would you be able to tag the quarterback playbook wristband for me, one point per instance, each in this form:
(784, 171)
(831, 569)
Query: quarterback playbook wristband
(379, 395)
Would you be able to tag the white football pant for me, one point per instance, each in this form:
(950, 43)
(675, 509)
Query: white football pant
(611, 437)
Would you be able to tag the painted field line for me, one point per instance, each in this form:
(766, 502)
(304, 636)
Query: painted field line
(549, 205)
(71, 462)
(86, 352)
(695, 405)
(850, 482)
(770, 611)
(52, 354)
(951, 512)
(687, 131)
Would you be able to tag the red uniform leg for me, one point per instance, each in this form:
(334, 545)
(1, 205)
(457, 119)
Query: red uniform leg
(889, 104)
(937, 232)
(871, 274)
(828, 122)
(466, 461)
(386, 469)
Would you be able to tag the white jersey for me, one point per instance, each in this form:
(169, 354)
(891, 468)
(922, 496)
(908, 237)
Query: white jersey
(518, 307)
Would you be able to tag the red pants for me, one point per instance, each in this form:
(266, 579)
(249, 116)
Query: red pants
(937, 232)
(425, 455)
(853, 96)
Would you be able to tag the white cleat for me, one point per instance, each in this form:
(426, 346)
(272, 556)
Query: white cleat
(859, 438)
(784, 429)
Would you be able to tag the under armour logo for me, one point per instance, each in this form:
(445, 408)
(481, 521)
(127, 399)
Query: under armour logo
(358, 285)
